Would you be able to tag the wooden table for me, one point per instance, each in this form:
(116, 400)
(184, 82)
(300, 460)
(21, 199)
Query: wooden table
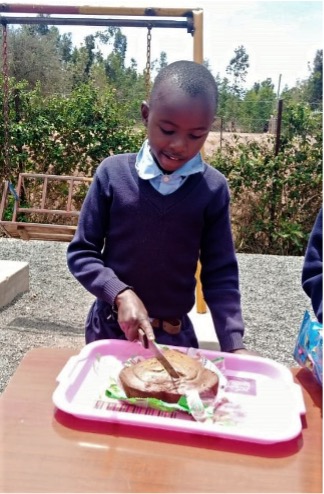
(46, 450)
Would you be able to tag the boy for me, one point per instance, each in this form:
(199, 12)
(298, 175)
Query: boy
(149, 217)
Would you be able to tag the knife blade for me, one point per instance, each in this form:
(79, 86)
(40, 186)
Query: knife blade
(158, 354)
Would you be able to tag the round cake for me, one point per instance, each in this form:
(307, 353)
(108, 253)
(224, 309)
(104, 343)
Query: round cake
(149, 379)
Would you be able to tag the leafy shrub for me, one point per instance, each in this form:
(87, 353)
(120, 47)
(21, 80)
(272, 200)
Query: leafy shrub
(65, 135)
(275, 199)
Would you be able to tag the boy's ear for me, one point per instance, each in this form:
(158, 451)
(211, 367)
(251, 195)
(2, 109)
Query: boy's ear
(145, 112)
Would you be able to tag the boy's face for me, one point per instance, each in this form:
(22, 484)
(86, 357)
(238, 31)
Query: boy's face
(177, 126)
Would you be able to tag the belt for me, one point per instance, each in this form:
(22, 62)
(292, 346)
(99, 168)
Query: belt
(171, 326)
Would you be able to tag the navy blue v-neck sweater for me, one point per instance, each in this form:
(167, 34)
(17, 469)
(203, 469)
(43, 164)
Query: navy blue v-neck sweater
(131, 235)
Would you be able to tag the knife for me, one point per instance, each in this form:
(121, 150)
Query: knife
(158, 354)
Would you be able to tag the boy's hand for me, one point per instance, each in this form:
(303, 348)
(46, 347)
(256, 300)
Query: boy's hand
(132, 315)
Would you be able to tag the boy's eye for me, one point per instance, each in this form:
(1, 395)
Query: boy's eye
(167, 132)
(192, 136)
(170, 132)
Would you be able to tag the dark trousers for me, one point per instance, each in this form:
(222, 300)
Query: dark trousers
(101, 324)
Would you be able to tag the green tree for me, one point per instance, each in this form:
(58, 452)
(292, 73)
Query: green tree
(65, 47)
(160, 63)
(231, 92)
(314, 90)
(237, 69)
(257, 107)
(228, 104)
(115, 61)
(82, 60)
(78, 66)
(89, 46)
(38, 29)
(127, 82)
(309, 90)
(34, 56)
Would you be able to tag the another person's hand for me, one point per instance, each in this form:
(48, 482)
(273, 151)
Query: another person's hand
(132, 315)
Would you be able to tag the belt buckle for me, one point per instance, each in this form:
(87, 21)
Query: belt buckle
(172, 326)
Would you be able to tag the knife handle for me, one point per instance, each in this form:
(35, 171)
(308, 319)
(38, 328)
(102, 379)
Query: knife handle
(143, 338)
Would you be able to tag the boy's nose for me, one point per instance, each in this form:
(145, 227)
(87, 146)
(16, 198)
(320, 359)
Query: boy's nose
(178, 145)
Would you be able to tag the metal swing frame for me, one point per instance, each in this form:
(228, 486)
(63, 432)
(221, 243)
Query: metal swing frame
(190, 19)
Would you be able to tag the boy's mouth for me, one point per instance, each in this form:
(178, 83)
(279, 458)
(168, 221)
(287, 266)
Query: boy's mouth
(170, 162)
(173, 158)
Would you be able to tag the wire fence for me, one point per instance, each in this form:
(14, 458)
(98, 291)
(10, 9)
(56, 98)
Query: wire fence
(246, 126)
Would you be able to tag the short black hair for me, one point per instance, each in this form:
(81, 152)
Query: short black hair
(192, 77)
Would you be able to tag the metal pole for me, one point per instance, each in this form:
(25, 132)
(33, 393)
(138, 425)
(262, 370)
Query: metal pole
(86, 21)
(198, 57)
(94, 10)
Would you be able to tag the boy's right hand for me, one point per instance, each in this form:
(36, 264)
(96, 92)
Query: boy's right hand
(132, 315)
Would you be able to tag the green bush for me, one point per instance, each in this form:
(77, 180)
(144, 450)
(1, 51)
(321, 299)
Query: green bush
(275, 199)
(63, 135)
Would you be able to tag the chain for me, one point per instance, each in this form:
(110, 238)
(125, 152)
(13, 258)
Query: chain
(148, 62)
(5, 72)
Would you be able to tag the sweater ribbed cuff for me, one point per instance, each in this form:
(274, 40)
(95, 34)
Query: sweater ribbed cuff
(231, 341)
(112, 289)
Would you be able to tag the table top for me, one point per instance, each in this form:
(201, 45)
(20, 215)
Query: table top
(46, 450)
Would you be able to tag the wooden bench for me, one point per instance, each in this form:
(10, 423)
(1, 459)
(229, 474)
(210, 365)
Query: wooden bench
(38, 230)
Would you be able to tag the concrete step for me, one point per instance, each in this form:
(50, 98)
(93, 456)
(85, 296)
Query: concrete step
(14, 280)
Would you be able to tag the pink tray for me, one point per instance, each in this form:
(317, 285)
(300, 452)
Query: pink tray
(265, 405)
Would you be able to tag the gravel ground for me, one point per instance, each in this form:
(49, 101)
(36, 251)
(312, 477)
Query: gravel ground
(53, 312)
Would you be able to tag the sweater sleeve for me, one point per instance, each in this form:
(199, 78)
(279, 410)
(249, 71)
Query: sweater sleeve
(219, 275)
(312, 273)
(84, 253)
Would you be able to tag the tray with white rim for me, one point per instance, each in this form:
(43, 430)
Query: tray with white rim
(262, 402)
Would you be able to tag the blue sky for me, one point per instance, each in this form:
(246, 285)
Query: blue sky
(280, 37)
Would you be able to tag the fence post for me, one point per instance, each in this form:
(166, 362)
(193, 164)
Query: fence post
(221, 134)
(278, 129)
